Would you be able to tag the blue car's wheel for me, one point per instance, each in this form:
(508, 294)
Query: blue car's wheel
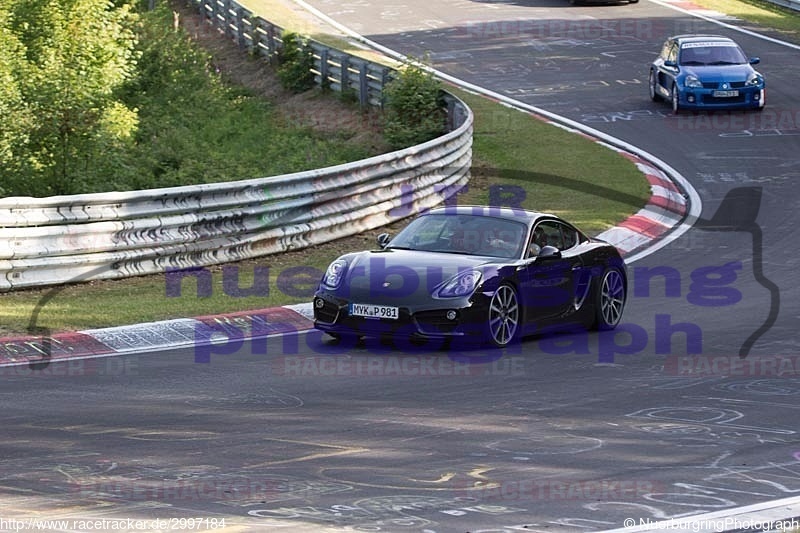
(504, 316)
(654, 96)
(675, 98)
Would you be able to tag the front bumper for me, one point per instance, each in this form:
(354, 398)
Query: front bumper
(703, 98)
(439, 319)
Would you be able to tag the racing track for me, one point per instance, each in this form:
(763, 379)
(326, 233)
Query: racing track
(561, 434)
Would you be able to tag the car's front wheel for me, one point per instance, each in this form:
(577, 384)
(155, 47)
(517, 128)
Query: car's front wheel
(654, 96)
(676, 102)
(609, 299)
(503, 320)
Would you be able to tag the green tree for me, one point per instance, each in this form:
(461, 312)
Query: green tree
(413, 110)
(296, 59)
(15, 116)
(74, 56)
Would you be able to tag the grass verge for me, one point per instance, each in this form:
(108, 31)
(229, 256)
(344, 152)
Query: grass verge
(767, 16)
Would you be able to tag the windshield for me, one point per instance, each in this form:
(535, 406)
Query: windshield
(463, 234)
(711, 53)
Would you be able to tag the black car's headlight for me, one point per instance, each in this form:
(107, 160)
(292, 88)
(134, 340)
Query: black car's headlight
(462, 284)
(335, 274)
(754, 79)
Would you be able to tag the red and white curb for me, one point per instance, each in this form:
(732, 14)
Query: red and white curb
(41, 351)
(665, 210)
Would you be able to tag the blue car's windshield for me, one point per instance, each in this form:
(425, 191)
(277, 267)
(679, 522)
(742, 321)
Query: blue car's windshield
(463, 234)
(711, 53)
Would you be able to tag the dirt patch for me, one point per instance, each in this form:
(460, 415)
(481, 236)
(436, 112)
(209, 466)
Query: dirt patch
(324, 112)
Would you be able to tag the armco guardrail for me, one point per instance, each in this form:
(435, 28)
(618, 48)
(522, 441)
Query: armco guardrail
(112, 235)
(791, 4)
(62, 239)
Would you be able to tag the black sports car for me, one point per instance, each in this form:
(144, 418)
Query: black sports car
(475, 273)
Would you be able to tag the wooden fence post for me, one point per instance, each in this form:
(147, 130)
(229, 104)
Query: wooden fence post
(363, 85)
(323, 68)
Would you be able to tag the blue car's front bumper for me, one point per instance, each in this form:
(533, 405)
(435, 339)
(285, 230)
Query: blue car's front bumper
(707, 98)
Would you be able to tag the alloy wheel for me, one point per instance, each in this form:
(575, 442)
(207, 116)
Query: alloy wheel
(653, 93)
(675, 99)
(503, 316)
(612, 299)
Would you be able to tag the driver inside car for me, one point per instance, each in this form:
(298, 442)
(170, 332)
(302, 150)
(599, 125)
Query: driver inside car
(538, 241)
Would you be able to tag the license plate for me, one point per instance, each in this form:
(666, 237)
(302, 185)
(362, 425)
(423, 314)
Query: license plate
(726, 94)
(374, 311)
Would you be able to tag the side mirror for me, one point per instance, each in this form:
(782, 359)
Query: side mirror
(755, 60)
(671, 64)
(383, 240)
(549, 252)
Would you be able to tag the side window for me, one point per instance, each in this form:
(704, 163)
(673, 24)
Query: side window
(570, 237)
(672, 55)
(665, 50)
(552, 233)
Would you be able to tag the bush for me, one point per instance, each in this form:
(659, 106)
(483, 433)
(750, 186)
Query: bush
(295, 62)
(413, 108)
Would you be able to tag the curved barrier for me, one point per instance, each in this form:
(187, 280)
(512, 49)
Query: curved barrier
(61, 239)
(112, 235)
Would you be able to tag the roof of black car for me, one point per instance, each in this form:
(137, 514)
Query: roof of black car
(515, 213)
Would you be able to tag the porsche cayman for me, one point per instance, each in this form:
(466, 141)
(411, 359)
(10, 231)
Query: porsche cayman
(474, 273)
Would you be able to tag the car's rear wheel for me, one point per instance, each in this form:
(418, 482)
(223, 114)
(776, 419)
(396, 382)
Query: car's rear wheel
(675, 97)
(654, 96)
(503, 321)
(609, 299)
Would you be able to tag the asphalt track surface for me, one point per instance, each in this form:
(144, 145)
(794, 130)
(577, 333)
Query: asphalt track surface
(566, 433)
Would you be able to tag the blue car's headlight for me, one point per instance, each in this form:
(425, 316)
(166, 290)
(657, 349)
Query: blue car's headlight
(754, 79)
(335, 274)
(462, 284)
(692, 81)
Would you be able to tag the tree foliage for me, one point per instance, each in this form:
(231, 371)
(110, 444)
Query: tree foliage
(63, 62)
(296, 60)
(16, 117)
(413, 110)
(166, 116)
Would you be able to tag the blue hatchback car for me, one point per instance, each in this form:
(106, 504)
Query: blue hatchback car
(706, 72)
